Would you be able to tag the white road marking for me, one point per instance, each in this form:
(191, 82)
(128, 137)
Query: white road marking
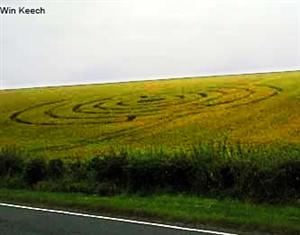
(116, 219)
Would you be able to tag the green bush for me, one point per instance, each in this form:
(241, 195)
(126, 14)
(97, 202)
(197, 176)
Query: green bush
(56, 168)
(179, 173)
(35, 170)
(76, 170)
(11, 162)
(287, 179)
(12, 182)
(145, 174)
(108, 169)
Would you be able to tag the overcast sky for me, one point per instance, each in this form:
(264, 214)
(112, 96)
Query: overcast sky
(104, 41)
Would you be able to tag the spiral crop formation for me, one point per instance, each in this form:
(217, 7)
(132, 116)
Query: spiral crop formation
(130, 108)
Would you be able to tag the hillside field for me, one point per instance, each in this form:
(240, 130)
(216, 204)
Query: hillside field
(85, 120)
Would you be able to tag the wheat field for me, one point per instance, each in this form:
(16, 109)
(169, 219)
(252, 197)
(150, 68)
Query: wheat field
(257, 109)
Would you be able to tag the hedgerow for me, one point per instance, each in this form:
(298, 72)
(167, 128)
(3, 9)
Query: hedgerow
(199, 172)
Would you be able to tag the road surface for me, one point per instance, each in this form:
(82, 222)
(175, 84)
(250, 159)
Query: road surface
(27, 221)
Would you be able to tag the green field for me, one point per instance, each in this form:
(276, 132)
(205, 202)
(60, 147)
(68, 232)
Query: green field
(87, 120)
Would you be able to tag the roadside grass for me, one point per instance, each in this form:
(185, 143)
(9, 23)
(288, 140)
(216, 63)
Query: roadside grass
(192, 211)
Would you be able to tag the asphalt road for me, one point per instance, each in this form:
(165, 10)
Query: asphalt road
(29, 222)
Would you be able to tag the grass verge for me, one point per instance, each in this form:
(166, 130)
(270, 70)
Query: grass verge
(196, 211)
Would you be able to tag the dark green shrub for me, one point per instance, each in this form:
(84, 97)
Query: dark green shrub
(66, 185)
(55, 168)
(246, 176)
(178, 173)
(260, 186)
(273, 184)
(245, 180)
(76, 170)
(12, 182)
(146, 174)
(50, 186)
(79, 187)
(11, 162)
(287, 179)
(35, 170)
(227, 179)
(203, 179)
(109, 169)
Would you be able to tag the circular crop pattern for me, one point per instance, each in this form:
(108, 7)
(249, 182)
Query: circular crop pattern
(132, 114)
(130, 108)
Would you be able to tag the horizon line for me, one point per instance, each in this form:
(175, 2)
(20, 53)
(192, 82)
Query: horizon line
(150, 79)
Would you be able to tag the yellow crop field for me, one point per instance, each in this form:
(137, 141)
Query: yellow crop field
(173, 114)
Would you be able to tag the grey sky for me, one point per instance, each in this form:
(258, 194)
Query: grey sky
(105, 41)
